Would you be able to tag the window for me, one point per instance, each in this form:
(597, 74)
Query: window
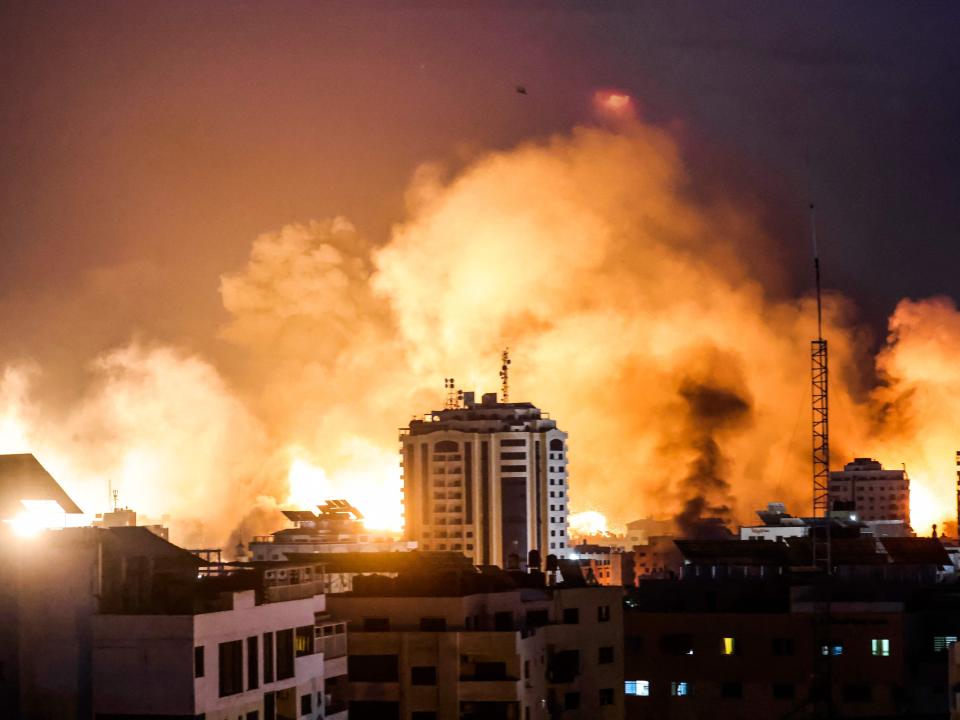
(267, 658)
(680, 688)
(253, 664)
(537, 618)
(605, 655)
(503, 620)
(284, 654)
(306, 704)
(513, 443)
(731, 690)
(372, 668)
(432, 624)
(253, 715)
(942, 642)
(198, 661)
(639, 688)
(606, 696)
(782, 646)
(677, 644)
(880, 647)
(856, 692)
(603, 613)
(513, 456)
(729, 646)
(423, 715)
(513, 468)
(426, 675)
(231, 667)
(784, 691)
(571, 701)
(835, 648)
(571, 616)
(376, 624)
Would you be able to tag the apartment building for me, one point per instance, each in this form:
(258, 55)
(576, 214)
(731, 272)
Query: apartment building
(489, 644)
(872, 492)
(118, 623)
(336, 528)
(488, 479)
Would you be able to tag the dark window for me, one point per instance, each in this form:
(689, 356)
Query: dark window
(490, 671)
(231, 668)
(571, 616)
(571, 701)
(731, 690)
(526, 669)
(269, 704)
(426, 675)
(782, 646)
(372, 668)
(433, 624)
(513, 468)
(268, 657)
(253, 715)
(423, 715)
(556, 444)
(513, 456)
(374, 710)
(677, 644)
(198, 661)
(537, 618)
(445, 446)
(606, 696)
(284, 654)
(603, 613)
(305, 640)
(605, 655)
(306, 704)
(634, 644)
(784, 691)
(372, 624)
(503, 620)
(856, 692)
(513, 443)
(563, 666)
(253, 665)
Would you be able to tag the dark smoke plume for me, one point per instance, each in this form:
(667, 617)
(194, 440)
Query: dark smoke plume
(712, 409)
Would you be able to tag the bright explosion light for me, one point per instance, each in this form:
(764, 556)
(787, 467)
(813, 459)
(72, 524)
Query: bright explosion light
(589, 522)
(37, 516)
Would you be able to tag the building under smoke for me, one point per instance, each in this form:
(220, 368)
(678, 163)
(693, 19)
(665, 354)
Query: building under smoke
(874, 493)
(488, 479)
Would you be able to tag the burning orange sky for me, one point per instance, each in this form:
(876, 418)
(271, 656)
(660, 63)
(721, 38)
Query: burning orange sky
(624, 299)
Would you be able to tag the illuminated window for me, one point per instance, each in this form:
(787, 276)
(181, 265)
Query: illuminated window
(639, 688)
(942, 642)
(880, 647)
(681, 688)
(729, 646)
(832, 649)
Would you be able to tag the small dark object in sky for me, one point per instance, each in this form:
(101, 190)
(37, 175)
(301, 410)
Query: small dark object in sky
(521, 90)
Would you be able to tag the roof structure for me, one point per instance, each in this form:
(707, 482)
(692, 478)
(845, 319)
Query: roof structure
(22, 477)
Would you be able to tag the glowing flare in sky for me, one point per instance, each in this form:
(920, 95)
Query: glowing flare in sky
(613, 103)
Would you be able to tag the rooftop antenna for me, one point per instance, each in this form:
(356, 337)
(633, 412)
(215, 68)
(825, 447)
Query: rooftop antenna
(819, 375)
(505, 375)
(116, 505)
(453, 395)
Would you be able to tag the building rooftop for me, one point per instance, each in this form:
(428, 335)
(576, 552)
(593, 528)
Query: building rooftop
(488, 415)
(22, 477)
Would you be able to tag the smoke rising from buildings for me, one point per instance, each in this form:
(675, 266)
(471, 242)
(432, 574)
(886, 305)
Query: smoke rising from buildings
(634, 310)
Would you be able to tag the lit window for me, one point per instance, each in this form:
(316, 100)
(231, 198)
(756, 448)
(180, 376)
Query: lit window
(729, 646)
(639, 688)
(832, 649)
(680, 688)
(942, 642)
(880, 647)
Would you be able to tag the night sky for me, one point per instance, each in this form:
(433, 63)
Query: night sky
(143, 145)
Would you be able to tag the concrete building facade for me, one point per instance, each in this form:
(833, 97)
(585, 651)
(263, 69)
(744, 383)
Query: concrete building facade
(487, 479)
(872, 492)
(521, 653)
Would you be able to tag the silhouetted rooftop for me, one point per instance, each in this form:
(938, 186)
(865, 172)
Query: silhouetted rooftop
(22, 477)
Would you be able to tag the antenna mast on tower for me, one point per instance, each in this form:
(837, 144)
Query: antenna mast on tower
(821, 416)
(505, 375)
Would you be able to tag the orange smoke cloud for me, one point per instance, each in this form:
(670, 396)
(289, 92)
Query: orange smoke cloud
(629, 304)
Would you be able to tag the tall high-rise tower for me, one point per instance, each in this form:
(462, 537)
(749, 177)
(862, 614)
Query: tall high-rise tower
(488, 479)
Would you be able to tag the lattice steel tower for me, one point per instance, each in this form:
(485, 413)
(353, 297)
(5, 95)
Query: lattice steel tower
(819, 381)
